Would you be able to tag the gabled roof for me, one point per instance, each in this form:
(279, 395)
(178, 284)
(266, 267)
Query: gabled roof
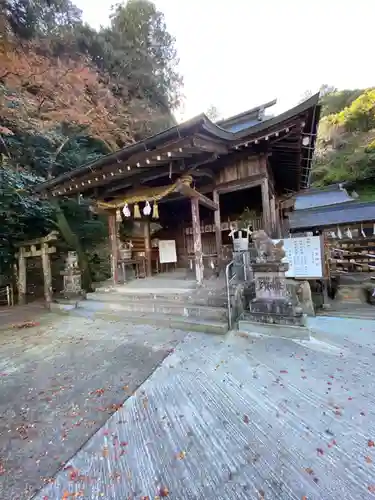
(341, 213)
(246, 119)
(199, 137)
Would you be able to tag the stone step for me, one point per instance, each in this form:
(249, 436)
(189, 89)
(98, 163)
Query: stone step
(193, 297)
(169, 307)
(176, 322)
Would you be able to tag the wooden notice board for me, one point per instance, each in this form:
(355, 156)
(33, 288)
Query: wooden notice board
(304, 256)
(167, 251)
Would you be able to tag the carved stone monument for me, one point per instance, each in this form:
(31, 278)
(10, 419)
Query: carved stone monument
(273, 306)
(72, 277)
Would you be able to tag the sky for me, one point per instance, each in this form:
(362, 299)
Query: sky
(236, 54)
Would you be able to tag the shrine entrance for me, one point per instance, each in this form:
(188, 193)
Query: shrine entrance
(40, 247)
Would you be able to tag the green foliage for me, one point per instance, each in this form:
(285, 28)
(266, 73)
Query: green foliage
(334, 101)
(131, 67)
(346, 140)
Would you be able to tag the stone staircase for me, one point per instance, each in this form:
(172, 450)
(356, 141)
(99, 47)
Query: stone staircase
(162, 301)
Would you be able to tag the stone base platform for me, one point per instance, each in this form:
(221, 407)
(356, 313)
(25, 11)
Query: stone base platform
(274, 330)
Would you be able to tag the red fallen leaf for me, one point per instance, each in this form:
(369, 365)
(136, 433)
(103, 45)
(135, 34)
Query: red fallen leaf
(371, 488)
(331, 376)
(246, 419)
(320, 451)
(73, 475)
(283, 371)
(164, 491)
(329, 383)
(332, 443)
(368, 460)
(370, 443)
(145, 498)
(338, 412)
(350, 398)
(124, 443)
(26, 324)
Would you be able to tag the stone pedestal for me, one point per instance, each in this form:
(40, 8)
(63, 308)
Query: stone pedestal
(72, 278)
(272, 309)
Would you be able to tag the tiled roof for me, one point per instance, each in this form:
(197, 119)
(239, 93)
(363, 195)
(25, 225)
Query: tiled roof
(341, 213)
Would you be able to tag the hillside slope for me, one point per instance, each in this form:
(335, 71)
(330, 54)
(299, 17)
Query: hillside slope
(346, 141)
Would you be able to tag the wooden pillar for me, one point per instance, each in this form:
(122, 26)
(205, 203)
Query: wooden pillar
(21, 279)
(148, 249)
(217, 219)
(47, 275)
(197, 240)
(266, 207)
(273, 216)
(113, 245)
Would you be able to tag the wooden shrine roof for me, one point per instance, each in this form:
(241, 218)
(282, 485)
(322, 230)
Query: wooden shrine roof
(288, 138)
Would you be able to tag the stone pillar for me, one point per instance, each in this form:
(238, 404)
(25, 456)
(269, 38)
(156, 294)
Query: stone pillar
(21, 279)
(47, 275)
(218, 236)
(113, 246)
(148, 249)
(197, 240)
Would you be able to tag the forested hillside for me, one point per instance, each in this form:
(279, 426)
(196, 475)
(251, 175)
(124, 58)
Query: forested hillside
(69, 94)
(346, 140)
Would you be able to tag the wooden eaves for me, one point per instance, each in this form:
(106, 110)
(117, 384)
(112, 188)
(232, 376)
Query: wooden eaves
(184, 148)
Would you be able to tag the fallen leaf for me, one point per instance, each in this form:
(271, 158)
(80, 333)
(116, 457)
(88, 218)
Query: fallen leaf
(164, 491)
(304, 497)
(371, 488)
(309, 471)
(368, 460)
(283, 371)
(105, 451)
(370, 443)
(181, 455)
(320, 451)
(126, 388)
(246, 419)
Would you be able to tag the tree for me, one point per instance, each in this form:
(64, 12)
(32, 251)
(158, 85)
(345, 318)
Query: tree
(70, 94)
(213, 113)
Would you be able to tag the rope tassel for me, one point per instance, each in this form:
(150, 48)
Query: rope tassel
(137, 213)
(155, 211)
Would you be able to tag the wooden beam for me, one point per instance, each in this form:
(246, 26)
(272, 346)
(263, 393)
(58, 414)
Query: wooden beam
(198, 254)
(113, 246)
(266, 207)
(218, 237)
(209, 145)
(148, 249)
(238, 185)
(202, 199)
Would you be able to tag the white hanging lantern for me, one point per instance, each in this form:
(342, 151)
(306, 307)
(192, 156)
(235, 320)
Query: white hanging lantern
(126, 210)
(147, 209)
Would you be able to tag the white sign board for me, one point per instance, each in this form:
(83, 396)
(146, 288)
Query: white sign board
(304, 256)
(167, 251)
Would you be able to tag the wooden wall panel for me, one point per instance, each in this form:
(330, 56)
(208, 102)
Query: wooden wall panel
(242, 169)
